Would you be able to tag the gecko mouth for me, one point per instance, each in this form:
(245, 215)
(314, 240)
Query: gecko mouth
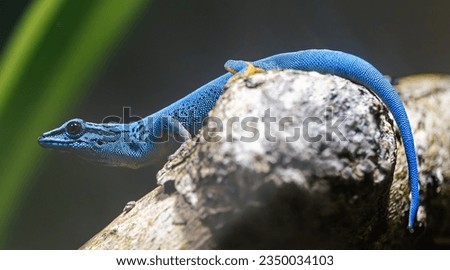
(50, 143)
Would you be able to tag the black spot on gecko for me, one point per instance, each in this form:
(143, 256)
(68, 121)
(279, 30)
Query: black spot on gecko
(134, 146)
(140, 131)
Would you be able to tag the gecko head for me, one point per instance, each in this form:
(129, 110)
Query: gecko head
(111, 144)
(99, 143)
(66, 136)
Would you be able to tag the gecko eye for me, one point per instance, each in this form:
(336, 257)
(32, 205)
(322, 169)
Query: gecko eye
(74, 128)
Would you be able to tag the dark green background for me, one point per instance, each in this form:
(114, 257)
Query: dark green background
(180, 45)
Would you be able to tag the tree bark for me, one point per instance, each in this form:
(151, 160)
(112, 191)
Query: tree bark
(291, 159)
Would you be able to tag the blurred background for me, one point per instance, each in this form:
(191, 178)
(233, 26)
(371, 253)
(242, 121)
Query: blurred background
(64, 59)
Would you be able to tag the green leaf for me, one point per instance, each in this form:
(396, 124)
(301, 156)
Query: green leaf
(58, 46)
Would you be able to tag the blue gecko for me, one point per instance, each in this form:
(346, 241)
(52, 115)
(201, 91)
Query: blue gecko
(136, 144)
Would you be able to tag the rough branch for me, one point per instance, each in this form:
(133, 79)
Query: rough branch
(328, 188)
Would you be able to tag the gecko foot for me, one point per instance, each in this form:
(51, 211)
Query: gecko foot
(130, 205)
(241, 69)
